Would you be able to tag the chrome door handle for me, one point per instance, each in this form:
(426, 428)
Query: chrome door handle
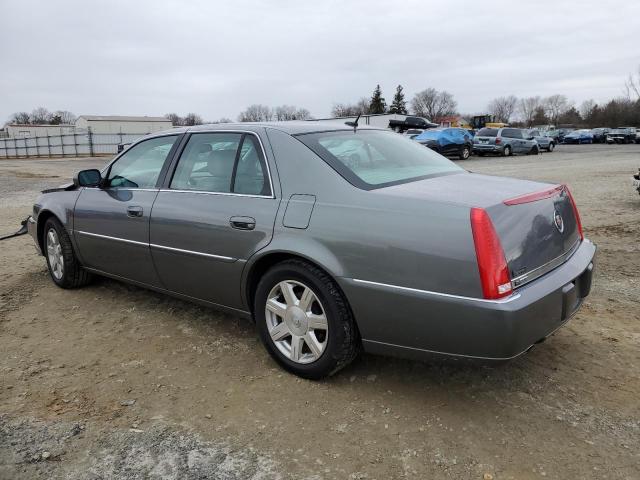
(134, 211)
(242, 223)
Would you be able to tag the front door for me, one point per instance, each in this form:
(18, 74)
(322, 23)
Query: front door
(218, 209)
(111, 224)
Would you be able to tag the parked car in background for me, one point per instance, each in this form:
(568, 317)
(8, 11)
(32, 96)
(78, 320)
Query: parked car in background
(503, 141)
(411, 122)
(545, 142)
(377, 243)
(413, 132)
(447, 141)
(622, 135)
(578, 136)
(562, 132)
(599, 134)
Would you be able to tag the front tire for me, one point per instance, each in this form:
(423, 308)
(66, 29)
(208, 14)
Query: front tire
(551, 147)
(64, 268)
(465, 153)
(304, 320)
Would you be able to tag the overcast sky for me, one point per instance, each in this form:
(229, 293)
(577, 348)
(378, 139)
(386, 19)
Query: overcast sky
(217, 57)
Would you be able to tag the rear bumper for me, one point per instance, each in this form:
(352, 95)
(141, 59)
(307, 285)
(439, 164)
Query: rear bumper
(414, 323)
(479, 147)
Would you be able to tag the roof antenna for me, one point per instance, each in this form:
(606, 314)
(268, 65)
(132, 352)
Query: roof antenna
(354, 124)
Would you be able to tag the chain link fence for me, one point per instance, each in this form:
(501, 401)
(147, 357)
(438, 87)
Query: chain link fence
(82, 143)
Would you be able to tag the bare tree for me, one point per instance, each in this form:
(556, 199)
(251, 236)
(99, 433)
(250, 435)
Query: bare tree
(225, 120)
(21, 118)
(66, 117)
(341, 110)
(527, 109)
(176, 120)
(192, 119)
(555, 106)
(432, 104)
(502, 108)
(256, 113)
(40, 116)
(586, 108)
(632, 85)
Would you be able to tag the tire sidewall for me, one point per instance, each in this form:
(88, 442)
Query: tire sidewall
(507, 151)
(328, 361)
(463, 155)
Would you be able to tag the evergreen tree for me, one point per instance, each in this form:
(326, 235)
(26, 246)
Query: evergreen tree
(399, 104)
(377, 104)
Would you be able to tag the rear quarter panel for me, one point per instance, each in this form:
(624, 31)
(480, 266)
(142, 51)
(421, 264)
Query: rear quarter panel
(373, 235)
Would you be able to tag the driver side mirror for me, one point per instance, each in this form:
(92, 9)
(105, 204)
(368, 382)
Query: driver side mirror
(87, 178)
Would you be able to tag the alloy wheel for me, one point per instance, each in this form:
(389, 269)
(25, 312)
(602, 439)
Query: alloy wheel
(296, 321)
(55, 255)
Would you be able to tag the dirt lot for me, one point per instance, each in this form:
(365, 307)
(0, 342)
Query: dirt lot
(116, 382)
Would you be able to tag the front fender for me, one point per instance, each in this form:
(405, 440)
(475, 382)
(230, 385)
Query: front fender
(59, 203)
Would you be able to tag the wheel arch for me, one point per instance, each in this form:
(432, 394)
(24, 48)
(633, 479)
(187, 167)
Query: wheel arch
(43, 216)
(259, 265)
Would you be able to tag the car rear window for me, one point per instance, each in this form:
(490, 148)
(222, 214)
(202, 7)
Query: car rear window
(372, 159)
(487, 132)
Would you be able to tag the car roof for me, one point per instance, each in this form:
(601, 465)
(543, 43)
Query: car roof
(290, 127)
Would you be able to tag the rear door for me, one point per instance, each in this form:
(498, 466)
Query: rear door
(111, 224)
(216, 210)
(516, 140)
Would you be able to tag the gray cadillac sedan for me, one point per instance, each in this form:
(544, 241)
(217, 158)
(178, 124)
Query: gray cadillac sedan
(333, 239)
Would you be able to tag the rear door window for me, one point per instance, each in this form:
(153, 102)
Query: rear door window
(511, 133)
(222, 163)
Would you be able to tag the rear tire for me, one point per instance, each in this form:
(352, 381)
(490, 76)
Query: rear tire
(465, 153)
(340, 343)
(506, 151)
(64, 268)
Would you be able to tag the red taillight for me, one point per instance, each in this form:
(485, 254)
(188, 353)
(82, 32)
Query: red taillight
(492, 265)
(575, 212)
(498, 140)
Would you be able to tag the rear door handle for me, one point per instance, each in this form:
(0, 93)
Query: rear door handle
(242, 223)
(134, 211)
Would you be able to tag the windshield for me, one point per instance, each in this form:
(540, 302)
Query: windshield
(374, 158)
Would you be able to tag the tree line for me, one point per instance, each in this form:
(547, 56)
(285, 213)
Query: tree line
(42, 116)
(430, 103)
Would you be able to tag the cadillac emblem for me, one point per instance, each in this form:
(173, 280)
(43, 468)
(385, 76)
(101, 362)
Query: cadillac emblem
(557, 221)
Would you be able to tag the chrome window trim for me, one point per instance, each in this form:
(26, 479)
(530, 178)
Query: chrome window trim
(508, 299)
(202, 192)
(161, 247)
(248, 132)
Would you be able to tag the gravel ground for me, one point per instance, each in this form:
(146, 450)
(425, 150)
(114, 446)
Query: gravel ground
(116, 382)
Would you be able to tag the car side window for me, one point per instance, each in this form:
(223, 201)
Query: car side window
(251, 177)
(511, 133)
(206, 164)
(222, 163)
(140, 166)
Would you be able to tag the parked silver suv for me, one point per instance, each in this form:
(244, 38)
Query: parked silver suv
(504, 141)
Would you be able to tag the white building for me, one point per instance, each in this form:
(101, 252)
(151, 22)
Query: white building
(122, 124)
(16, 130)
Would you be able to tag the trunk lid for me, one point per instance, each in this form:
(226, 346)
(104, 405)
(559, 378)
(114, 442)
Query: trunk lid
(532, 241)
(536, 235)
